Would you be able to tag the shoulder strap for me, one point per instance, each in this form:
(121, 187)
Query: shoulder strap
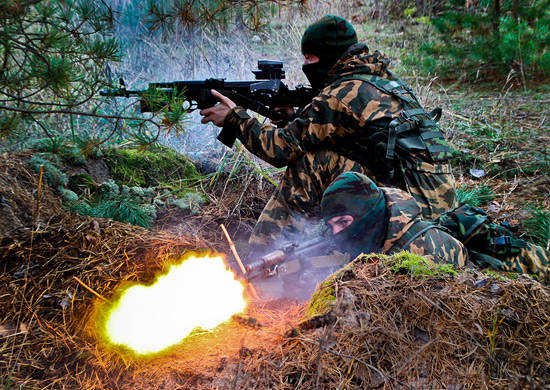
(415, 130)
(394, 87)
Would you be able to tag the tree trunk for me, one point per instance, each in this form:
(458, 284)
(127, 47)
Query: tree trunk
(496, 18)
(515, 11)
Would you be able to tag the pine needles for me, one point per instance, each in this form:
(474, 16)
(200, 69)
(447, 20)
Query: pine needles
(538, 226)
(127, 204)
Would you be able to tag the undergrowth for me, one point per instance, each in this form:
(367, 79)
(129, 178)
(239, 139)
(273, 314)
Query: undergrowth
(479, 40)
(477, 196)
(52, 174)
(134, 205)
(538, 226)
(156, 166)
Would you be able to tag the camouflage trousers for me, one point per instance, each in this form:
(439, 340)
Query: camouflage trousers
(297, 199)
(532, 259)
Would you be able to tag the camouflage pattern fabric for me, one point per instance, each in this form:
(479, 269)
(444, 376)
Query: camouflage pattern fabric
(405, 222)
(533, 260)
(347, 119)
(492, 245)
(297, 198)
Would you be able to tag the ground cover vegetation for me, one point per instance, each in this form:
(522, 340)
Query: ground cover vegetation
(489, 39)
(68, 152)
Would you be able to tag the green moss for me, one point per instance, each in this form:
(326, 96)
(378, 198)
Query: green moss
(415, 265)
(323, 298)
(153, 167)
(321, 301)
(495, 275)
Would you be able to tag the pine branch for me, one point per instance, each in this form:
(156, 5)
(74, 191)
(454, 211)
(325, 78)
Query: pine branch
(88, 114)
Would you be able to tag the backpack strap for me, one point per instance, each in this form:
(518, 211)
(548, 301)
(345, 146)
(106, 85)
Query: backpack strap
(508, 244)
(414, 130)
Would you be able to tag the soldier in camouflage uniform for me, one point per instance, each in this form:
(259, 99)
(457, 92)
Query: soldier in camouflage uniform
(363, 119)
(366, 219)
(369, 219)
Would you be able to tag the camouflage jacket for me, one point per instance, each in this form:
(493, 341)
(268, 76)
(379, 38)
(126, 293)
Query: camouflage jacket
(405, 222)
(337, 119)
(350, 117)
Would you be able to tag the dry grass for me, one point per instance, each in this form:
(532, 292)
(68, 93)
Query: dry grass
(392, 331)
(397, 332)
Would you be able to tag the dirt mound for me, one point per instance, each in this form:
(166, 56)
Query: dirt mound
(367, 327)
(24, 200)
(376, 329)
(50, 281)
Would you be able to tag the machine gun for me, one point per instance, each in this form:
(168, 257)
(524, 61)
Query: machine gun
(272, 263)
(261, 95)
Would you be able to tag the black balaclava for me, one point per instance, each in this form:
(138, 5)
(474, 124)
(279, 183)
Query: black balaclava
(328, 39)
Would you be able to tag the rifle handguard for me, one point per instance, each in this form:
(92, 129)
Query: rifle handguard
(262, 267)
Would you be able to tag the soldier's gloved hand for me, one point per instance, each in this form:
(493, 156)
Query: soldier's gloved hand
(216, 114)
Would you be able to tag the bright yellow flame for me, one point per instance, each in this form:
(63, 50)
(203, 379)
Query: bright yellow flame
(200, 292)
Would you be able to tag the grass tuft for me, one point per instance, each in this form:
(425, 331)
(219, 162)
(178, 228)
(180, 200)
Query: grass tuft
(538, 226)
(477, 196)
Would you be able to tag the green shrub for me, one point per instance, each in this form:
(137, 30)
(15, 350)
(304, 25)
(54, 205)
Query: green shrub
(53, 176)
(538, 226)
(488, 38)
(132, 205)
(191, 202)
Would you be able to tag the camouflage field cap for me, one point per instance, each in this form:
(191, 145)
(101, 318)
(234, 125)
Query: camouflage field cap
(355, 194)
(330, 35)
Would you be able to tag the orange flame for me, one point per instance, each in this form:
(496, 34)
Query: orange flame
(198, 293)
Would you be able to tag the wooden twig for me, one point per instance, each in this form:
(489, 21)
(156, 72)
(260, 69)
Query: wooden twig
(238, 259)
(233, 249)
(89, 289)
(38, 193)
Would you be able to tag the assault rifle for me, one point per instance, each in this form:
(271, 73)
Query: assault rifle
(292, 256)
(261, 95)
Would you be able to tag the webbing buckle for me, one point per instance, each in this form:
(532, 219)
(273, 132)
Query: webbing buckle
(408, 117)
(503, 241)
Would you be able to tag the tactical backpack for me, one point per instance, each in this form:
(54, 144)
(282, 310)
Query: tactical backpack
(416, 146)
(414, 131)
(492, 245)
